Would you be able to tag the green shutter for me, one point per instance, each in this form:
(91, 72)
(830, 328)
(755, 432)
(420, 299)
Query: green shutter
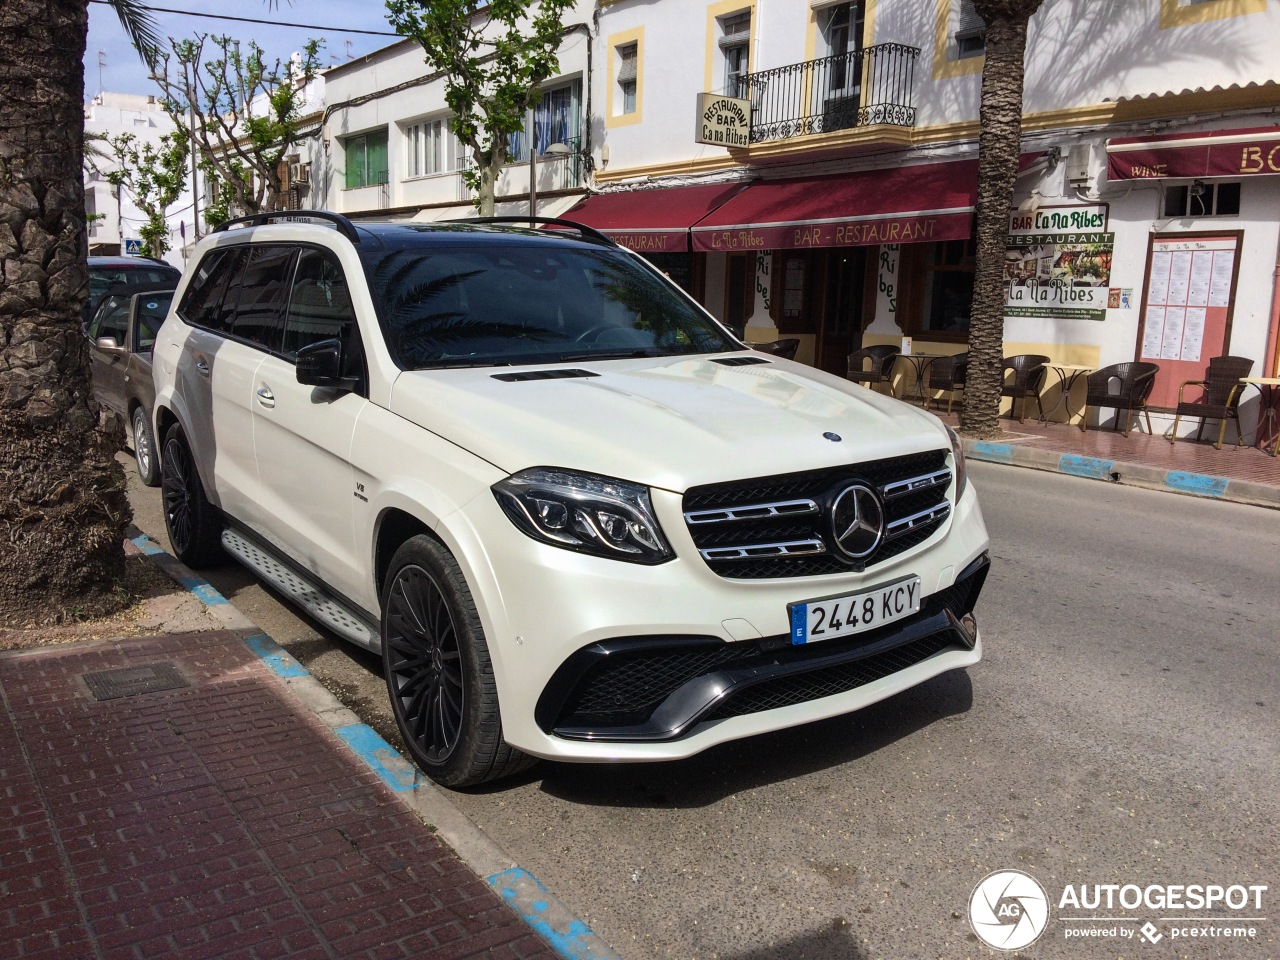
(355, 154)
(377, 150)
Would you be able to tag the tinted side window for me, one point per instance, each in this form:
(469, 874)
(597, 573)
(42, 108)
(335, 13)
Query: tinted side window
(222, 315)
(204, 293)
(264, 291)
(320, 305)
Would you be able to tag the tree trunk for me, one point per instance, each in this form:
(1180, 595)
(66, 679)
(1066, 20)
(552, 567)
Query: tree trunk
(63, 507)
(999, 145)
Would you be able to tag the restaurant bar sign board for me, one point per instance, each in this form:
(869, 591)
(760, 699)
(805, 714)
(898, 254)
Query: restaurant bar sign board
(919, 227)
(723, 121)
(1223, 153)
(1058, 263)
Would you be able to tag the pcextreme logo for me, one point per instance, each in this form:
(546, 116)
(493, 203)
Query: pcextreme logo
(1009, 910)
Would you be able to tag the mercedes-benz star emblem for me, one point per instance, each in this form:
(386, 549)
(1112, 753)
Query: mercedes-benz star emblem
(857, 520)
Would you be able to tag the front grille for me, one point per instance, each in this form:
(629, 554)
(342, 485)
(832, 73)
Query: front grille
(619, 685)
(780, 526)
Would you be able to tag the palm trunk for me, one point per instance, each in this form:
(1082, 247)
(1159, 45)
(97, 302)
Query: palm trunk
(999, 145)
(63, 507)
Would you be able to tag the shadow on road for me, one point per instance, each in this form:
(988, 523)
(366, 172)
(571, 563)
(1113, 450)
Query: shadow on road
(758, 761)
(836, 942)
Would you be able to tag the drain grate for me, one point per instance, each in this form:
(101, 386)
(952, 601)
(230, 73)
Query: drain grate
(132, 681)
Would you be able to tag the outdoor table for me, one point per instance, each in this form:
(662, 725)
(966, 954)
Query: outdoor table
(1068, 374)
(1269, 388)
(919, 363)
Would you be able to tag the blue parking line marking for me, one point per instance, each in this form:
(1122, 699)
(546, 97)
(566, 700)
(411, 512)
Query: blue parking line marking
(379, 756)
(986, 450)
(204, 591)
(1092, 467)
(568, 936)
(274, 656)
(1200, 484)
(147, 545)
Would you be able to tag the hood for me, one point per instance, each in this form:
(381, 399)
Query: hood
(668, 422)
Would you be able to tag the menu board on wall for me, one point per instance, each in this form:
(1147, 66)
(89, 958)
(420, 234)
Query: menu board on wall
(1187, 308)
(1188, 287)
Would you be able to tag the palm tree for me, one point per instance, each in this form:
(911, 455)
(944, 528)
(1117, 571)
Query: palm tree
(999, 143)
(63, 507)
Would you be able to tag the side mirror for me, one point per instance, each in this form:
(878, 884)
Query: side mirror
(320, 365)
(107, 343)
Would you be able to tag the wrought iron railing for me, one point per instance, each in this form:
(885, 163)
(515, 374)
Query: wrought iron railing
(869, 86)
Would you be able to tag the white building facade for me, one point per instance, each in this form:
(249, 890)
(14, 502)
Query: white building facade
(115, 217)
(807, 169)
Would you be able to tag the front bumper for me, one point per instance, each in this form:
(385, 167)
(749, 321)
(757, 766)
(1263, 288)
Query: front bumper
(659, 689)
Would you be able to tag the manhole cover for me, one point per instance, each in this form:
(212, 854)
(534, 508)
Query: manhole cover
(132, 681)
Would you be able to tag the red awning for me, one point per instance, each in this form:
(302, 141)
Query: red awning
(652, 221)
(908, 204)
(1218, 153)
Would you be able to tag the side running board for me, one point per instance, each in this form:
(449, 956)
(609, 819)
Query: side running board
(307, 594)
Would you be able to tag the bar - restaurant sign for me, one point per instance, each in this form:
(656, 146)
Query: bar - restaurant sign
(1225, 153)
(1058, 263)
(723, 121)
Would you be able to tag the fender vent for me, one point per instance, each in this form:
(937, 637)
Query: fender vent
(544, 375)
(739, 361)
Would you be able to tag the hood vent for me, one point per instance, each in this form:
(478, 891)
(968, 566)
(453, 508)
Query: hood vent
(740, 361)
(543, 375)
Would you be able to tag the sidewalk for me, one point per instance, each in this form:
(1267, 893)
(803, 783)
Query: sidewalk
(1238, 474)
(197, 793)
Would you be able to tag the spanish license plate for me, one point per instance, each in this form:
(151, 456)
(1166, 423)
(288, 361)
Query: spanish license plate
(854, 612)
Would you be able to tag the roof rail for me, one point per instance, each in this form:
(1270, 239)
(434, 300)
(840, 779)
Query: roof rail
(588, 233)
(345, 226)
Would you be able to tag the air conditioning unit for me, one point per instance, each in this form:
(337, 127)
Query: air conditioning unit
(1078, 164)
(299, 173)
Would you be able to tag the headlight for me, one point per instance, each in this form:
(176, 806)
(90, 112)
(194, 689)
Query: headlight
(579, 511)
(962, 473)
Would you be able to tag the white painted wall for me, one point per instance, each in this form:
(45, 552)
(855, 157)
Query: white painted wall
(114, 114)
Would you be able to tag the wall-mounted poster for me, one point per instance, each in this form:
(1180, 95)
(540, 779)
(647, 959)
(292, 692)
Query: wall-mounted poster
(1058, 263)
(1186, 314)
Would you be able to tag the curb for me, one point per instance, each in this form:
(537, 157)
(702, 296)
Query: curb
(568, 936)
(1129, 474)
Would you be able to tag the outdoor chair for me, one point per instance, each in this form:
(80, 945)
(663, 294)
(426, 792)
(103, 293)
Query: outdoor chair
(1124, 386)
(785, 348)
(1028, 380)
(882, 358)
(1219, 397)
(948, 373)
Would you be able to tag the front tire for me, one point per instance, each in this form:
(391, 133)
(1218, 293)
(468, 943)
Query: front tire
(439, 676)
(144, 449)
(189, 518)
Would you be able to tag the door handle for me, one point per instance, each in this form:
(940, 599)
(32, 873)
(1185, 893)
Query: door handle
(266, 397)
(202, 366)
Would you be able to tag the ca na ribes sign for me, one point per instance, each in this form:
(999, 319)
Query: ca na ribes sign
(1058, 262)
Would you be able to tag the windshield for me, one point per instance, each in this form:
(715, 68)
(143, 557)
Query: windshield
(497, 304)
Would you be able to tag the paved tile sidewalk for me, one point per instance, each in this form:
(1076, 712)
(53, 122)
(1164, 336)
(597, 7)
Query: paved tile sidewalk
(1245, 473)
(221, 819)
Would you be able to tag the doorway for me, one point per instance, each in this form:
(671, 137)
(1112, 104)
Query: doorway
(843, 308)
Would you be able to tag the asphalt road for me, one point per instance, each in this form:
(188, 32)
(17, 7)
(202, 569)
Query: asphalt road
(1122, 729)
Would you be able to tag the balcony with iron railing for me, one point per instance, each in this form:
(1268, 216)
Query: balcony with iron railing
(863, 88)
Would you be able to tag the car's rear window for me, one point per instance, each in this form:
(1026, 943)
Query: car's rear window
(504, 303)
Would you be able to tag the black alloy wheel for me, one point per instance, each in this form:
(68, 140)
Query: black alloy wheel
(439, 675)
(189, 518)
(424, 664)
